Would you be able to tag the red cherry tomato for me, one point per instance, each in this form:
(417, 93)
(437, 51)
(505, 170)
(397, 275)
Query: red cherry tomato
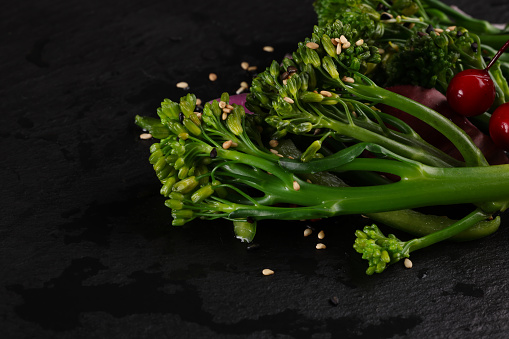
(499, 126)
(471, 92)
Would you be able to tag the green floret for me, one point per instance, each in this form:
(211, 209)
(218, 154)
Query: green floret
(378, 249)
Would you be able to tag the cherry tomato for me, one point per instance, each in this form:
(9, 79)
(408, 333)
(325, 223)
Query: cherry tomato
(499, 126)
(471, 92)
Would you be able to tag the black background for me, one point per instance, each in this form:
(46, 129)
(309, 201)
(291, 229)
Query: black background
(86, 245)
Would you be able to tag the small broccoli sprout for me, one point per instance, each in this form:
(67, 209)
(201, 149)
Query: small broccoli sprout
(378, 249)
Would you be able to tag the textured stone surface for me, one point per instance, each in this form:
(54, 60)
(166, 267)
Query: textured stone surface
(86, 247)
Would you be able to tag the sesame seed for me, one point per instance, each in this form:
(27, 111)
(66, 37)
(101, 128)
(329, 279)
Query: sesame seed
(346, 45)
(439, 30)
(307, 232)
(296, 186)
(451, 28)
(145, 136)
(269, 49)
(198, 102)
(343, 39)
(222, 104)
(359, 42)
(290, 157)
(320, 246)
(252, 68)
(321, 235)
(348, 79)
(212, 76)
(334, 41)
(381, 50)
(244, 65)
(280, 155)
(240, 90)
(224, 116)
(326, 93)
(273, 143)
(312, 45)
(227, 110)
(267, 271)
(182, 84)
(227, 144)
(244, 84)
(273, 151)
(338, 49)
(198, 114)
(288, 100)
(229, 106)
(285, 81)
(408, 263)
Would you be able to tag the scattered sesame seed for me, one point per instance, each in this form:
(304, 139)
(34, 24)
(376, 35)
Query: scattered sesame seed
(273, 151)
(273, 143)
(267, 271)
(288, 100)
(346, 45)
(285, 81)
(338, 49)
(182, 84)
(296, 186)
(334, 41)
(381, 50)
(408, 263)
(222, 104)
(439, 30)
(244, 65)
(198, 114)
(212, 76)
(198, 102)
(359, 42)
(240, 90)
(348, 79)
(321, 235)
(224, 116)
(320, 246)
(312, 45)
(244, 84)
(280, 155)
(145, 136)
(290, 157)
(307, 232)
(326, 93)
(451, 28)
(227, 110)
(229, 106)
(252, 68)
(343, 39)
(269, 49)
(227, 144)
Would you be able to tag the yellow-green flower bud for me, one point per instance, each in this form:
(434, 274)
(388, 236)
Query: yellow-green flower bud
(310, 152)
(174, 204)
(185, 185)
(202, 193)
(168, 184)
(330, 67)
(328, 45)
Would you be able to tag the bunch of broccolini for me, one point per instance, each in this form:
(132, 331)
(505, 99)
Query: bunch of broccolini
(320, 107)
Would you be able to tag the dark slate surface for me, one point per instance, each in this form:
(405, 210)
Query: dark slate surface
(86, 247)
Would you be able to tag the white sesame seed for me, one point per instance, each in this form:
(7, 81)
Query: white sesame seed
(252, 68)
(334, 41)
(244, 84)
(145, 136)
(227, 144)
(312, 45)
(346, 45)
(198, 114)
(244, 65)
(227, 110)
(326, 93)
(338, 49)
(273, 151)
(280, 155)
(408, 263)
(359, 42)
(198, 102)
(240, 90)
(212, 76)
(439, 30)
(273, 143)
(222, 104)
(451, 28)
(224, 116)
(343, 39)
(285, 81)
(320, 246)
(307, 232)
(182, 84)
(269, 49)
(381, 50)
(321, 235)
(267, 271)
(348, 79)
(296, 186)
(288, 100)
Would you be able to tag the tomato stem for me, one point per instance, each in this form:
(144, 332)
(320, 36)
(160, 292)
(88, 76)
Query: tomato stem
(500, 51)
